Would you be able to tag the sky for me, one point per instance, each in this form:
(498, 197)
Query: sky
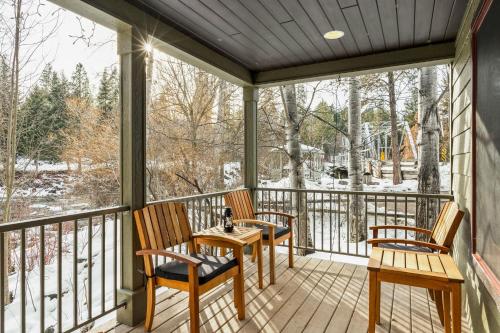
(63, 47)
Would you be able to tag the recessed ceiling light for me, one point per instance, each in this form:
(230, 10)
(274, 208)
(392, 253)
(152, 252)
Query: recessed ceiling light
(334, 34)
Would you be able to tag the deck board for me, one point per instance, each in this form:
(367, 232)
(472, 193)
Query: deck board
(315, 296)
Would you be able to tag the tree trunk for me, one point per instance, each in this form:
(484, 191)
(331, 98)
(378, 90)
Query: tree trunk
(296, 168)
(396, 163)
(356, 223)
(428, 146)
(11, 147)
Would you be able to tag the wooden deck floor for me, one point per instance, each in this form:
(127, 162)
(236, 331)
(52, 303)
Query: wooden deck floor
(315, 296)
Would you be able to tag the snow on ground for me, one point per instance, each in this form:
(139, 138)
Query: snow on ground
(68, 291)
(377, 184)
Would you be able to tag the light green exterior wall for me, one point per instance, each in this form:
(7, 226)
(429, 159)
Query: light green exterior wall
(481, 308)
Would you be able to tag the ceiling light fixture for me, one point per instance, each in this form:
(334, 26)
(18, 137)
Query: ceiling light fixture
(334, 34)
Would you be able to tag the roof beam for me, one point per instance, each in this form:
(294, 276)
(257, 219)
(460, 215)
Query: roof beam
(422, 56)
(175, 43)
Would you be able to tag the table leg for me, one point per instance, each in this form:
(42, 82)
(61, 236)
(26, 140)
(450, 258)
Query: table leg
(446, 311)
(456, 307)
(372, 312)
(254, 252)
(259, 262)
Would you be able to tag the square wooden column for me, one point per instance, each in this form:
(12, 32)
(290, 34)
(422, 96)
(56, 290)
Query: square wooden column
(250, 99)
(133, 167)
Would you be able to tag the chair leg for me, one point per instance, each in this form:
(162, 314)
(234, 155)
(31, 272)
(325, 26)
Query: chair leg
(150, 306)
(290, 250)
(194, 300)
(272, 260)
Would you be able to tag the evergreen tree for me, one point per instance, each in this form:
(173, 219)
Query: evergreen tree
(107, 97)
(79, 86)
(43, 118)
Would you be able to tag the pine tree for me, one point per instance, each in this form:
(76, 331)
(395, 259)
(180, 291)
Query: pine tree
(108, 95)
(43, 118)
(79, 86)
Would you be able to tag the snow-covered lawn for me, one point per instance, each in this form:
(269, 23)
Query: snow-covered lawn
(377, 185)
(33, 291)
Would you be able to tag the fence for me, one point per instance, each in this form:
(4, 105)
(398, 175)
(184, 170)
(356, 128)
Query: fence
(67, 257)
(333, 227)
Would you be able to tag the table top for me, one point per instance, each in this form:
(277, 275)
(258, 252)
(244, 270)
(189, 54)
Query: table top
(241, 233)
(419, 264)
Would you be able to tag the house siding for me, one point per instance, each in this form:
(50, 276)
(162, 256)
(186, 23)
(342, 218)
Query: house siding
(480, 307)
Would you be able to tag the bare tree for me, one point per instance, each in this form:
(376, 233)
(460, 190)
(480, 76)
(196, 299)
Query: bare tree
(356, 223)
(428, 146)
(295, 161)
(21, 18)
(11, 146)
(396, 159)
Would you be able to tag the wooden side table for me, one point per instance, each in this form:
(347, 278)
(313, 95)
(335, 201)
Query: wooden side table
(251, 236)
(427, 270)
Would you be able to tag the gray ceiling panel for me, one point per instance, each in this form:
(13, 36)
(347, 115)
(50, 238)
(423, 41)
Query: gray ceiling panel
(271, 34)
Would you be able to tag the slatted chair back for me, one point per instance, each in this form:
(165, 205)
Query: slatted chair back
(447, 224)
(241, 204)
(163, 225)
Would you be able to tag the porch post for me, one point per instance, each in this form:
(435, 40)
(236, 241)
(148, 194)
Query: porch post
(250, 99)
(133, 156)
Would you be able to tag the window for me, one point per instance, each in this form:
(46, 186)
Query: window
(486, 142)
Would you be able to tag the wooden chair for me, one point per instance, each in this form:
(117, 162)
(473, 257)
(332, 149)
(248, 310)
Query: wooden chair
(440, 238)
(272, 234)
(164, 225)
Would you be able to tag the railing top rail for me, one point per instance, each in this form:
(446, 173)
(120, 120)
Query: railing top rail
(390, 194)
(18, 225)
(193, 197)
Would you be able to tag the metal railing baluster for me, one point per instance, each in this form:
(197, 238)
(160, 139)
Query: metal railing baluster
(42, 279)
(103, 263)
(89, 268)
(75, 272)
(22, 281)
(59, 276)
(2, 282)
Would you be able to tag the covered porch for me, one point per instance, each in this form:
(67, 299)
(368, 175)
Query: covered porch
(257, 45)
(318, 295)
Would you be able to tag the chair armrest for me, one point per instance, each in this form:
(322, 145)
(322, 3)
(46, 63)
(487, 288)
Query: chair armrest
(375, 229)
(288, 216)
(258, 222)
(376, 241)
(224, 241)
(275, 213)
(177, 256)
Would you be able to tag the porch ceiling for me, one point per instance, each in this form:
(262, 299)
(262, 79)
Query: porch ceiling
(270, 35)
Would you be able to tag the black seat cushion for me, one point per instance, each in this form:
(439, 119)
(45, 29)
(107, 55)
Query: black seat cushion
(209, 269)
(278, 232)
(405, 247)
